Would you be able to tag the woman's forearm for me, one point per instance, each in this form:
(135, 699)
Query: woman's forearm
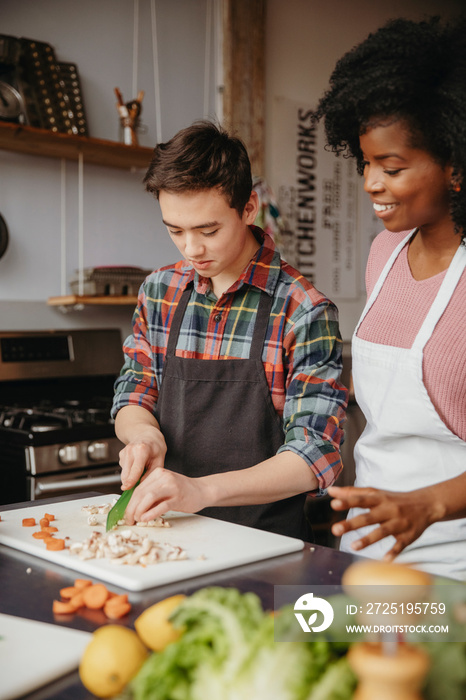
(448, 498)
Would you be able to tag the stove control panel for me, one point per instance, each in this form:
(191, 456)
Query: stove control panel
(68, 454)
(98, 451)
(44, 459)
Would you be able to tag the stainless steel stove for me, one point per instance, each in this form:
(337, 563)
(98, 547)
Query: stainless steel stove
(56, 434)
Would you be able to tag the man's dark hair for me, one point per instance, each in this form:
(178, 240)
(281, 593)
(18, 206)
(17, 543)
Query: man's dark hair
(201, 157)
(413, 71)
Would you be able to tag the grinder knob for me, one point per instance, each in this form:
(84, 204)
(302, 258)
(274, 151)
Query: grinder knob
(393, 671)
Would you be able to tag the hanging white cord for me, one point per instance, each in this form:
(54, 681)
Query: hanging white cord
(218, 60)
(80, 224)
(207, 57)
(135, 49)
(158, 119)
(63, 228)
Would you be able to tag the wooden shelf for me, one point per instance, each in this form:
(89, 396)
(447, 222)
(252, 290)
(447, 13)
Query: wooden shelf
(41, 142)
(87, 300)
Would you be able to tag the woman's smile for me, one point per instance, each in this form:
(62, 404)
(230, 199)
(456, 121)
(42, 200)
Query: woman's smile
(408, 188)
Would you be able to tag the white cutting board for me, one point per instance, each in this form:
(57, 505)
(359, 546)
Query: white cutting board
(211, 545)
(33, 654)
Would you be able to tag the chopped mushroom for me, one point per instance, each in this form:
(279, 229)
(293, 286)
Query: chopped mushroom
(126, 547)
(95, 511)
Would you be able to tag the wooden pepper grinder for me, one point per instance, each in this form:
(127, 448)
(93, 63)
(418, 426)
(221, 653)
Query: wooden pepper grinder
(387, 667)
(129, 114)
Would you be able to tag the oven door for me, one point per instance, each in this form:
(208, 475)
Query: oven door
(105, 480)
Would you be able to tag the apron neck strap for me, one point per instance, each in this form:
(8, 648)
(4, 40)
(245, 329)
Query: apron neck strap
(444, 294)
(260, 326)
(382, 277)
(177, 319)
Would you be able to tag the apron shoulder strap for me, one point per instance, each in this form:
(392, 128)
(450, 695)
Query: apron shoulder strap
(382, 278)
(448, 286)
(260, 326)
(177, 320)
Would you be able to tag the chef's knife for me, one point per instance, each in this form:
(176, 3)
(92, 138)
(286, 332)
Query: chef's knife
(117, 513)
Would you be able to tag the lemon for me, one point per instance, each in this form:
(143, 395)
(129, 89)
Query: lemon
(153, 625)
(111, 659)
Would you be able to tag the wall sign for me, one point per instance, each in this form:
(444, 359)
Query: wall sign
(322, 204)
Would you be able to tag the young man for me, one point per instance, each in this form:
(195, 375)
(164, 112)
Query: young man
(229, 400)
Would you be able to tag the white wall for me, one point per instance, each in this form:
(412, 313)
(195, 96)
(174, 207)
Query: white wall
(122, 225)
(305, 38)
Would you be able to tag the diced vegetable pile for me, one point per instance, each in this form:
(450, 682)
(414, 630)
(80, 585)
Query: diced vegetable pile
(46, 532)
(93, 596)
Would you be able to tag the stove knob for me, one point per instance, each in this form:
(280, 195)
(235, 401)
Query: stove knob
(97, 451)
(68, 454)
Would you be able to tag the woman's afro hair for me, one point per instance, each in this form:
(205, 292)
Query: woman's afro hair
(414, 71)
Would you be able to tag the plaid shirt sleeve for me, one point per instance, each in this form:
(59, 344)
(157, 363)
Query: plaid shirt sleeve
(137, 384)
(315, 403)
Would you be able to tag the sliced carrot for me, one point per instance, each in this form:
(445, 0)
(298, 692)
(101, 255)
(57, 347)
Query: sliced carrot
(117, 606)
(40, 535)
(43, 522)
(59, 607)
(95, 596)
(94, 601)
(114, 612)
(68, 591)
(55, 545)
(49, 517)
(29, 522)
(49, 529)
(77, 601)
(116, 599)
(82, 583)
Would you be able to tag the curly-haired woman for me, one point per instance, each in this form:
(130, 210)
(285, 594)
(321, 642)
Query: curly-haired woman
(397, 104)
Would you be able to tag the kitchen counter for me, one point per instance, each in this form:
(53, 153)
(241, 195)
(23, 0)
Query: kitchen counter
(29, 585)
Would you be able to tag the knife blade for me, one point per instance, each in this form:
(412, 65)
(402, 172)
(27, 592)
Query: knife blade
(117, 512)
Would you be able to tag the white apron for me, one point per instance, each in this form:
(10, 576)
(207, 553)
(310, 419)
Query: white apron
(405, 444)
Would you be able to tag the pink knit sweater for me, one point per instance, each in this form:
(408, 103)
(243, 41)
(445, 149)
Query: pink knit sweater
(397, 315)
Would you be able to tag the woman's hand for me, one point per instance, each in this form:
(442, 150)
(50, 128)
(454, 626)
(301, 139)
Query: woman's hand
(405, 516)
(161, 490)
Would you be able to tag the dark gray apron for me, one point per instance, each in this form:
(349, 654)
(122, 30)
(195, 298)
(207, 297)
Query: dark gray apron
(218, 416)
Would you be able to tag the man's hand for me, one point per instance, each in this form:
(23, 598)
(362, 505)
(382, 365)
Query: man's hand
(403, 515)
(145, 445)
(139, 455)
(161, 490)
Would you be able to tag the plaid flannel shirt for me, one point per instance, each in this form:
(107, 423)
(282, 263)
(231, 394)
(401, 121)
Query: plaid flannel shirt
(301, 355)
